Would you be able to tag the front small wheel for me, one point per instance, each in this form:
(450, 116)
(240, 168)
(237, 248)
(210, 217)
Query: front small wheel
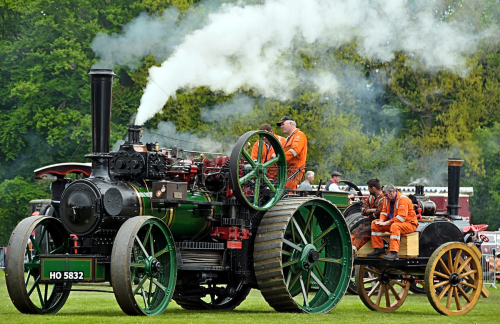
(381, 290)
(143, 266)
(33, 237)
(452, 267)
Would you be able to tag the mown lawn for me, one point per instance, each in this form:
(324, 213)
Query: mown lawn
(83, 307)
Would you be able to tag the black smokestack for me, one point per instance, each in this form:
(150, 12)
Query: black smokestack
(102, 93)
(454, 166)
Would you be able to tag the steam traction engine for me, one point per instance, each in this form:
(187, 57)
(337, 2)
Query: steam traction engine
(158, 226)
(444, 253)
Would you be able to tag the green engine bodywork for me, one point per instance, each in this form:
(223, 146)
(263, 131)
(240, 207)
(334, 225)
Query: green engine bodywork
(185, 221)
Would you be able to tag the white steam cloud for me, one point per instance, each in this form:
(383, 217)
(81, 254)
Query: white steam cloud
(250, 46)
(168, 136)
(239, 105)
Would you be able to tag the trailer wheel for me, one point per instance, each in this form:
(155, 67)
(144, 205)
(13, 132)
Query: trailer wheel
(303, 256)
(451, 267)
(381, 290)
(250, 179)
(143, 266)
(32, 237)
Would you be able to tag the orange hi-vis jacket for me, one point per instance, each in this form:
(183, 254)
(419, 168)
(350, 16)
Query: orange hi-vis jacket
(296, 154)
(266, 155)
(404, 212)
(403, 222)
(272, 171)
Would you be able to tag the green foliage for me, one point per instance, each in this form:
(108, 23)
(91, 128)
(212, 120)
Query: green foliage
(485, 204)
(390, 120)
(15, 195)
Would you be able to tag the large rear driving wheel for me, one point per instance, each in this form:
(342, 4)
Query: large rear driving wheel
(303, 256)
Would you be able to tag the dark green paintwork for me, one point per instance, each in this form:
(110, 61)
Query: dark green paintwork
(184, 221)
(338, 198)
(70, 264)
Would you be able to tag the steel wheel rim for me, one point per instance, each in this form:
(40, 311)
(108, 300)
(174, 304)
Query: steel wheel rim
(451, 267)
(332, 244)
(31, 296)
(258, 171)
(381, 290)
(150, 271)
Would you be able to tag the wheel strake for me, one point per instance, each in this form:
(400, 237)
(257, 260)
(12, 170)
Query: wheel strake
(303, 256)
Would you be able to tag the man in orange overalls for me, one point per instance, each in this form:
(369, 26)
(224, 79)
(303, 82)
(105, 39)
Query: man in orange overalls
(295, 151)
(372, 208)
(268, 151)
(398, 217)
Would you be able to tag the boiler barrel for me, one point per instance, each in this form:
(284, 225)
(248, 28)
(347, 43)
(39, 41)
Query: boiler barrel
(186, 221)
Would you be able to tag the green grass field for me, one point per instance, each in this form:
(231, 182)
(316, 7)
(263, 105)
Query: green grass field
(84, 307)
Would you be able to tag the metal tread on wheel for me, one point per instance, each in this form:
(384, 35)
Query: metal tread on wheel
(303, 255)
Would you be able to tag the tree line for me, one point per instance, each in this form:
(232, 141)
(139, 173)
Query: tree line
(399, 124)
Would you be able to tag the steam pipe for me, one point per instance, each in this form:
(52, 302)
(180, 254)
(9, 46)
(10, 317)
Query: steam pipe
(454, 167)
(102, 94)
(134, 134)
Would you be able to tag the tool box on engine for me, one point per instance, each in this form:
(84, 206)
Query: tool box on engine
(169, 190)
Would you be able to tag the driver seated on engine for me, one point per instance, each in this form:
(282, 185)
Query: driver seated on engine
(398, 217)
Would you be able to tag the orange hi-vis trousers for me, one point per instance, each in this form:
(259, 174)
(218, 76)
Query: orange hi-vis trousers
(396, 229)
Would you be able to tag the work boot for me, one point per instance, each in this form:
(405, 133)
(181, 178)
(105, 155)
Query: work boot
(376, 253)
(393, 255)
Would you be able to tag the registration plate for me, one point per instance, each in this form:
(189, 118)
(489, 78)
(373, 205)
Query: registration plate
(66, 275)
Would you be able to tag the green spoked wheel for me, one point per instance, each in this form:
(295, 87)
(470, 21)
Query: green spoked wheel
(143, 266)
(303, 256)
(451, 268)
(31, 238)
(258, 183)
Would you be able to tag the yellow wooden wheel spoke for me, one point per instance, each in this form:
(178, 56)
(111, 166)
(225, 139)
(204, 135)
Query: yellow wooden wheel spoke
(443, 292)
(445, 268)
(375, 272)
(398, 283)
(370, 280)
(448, 301)
(387, 299)
(380, 293)
(374, 289)
(466, 274)
(458, 256)
(394, 292)
(450, 261)
(442, 275)
(468, 285)
(462, 291)
(442, 283)
(457, 298)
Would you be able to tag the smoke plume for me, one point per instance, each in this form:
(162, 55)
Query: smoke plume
(239, 105)
(168, 136)
(250, 46)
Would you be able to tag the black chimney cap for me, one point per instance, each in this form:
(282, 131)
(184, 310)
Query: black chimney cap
(101, 71)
